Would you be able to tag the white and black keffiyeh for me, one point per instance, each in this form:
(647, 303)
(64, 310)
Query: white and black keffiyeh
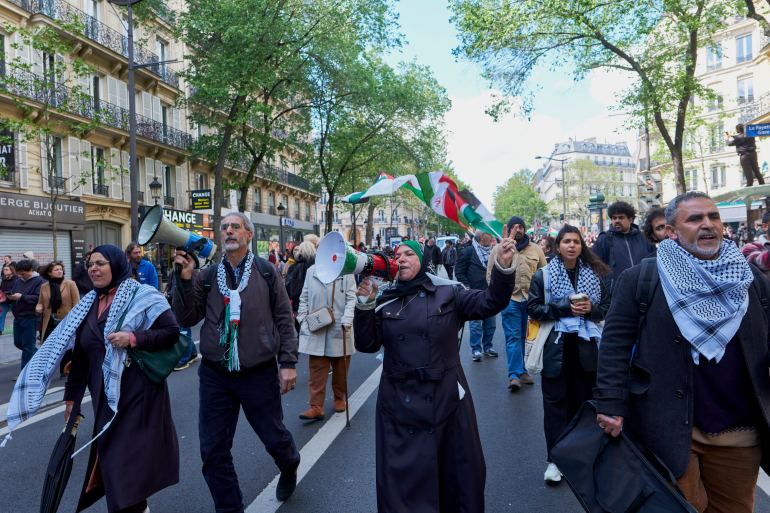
(482, 252)
(708, 298)
(558, 286)
(228, 332)
(28, 393)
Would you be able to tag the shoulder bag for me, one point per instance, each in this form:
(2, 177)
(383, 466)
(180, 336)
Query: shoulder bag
(156, 365)
(322, 317)
(537, 335)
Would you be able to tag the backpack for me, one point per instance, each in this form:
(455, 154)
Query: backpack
(265, 268)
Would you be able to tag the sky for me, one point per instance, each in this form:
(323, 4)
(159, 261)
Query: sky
(485, 153)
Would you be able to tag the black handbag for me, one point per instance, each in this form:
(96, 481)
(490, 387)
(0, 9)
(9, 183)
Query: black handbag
(156, 365)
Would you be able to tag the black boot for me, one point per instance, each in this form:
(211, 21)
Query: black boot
(286, 483)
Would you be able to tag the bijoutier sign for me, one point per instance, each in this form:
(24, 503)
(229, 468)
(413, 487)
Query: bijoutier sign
(23, 207)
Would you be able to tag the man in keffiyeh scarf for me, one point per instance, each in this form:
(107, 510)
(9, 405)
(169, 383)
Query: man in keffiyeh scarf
(689, 379)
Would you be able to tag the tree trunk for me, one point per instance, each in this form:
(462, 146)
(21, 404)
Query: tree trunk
(369, 236)
(329, 212)
(219, 169)
(677, 164)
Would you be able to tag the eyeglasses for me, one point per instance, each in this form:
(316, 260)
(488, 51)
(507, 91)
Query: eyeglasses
(97, 263)
(234, 226)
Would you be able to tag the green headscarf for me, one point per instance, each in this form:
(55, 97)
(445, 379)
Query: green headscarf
(415, 247)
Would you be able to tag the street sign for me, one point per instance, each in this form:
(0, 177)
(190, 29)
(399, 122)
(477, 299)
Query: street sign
(201, 199)
(759, 130)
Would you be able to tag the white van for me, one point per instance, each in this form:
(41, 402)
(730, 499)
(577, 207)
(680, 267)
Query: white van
(441, 241)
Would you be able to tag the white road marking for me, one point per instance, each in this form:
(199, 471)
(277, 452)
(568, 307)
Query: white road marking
(763, 481)
(317, 446)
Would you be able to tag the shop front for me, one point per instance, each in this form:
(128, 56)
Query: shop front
(267, 232)
(26, 224)
(161, 254)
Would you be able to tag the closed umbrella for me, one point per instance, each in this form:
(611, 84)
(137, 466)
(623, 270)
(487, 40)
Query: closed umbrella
(59, 467)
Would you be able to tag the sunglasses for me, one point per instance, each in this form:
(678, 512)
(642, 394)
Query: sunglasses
(234, 226)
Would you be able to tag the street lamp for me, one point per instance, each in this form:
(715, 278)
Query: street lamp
(155, 188)
(563, 184)
(281, 211)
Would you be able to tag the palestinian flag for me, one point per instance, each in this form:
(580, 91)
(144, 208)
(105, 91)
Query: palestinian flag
(385, 185)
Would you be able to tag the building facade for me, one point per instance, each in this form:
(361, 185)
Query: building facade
(577, 169)
(84, 172)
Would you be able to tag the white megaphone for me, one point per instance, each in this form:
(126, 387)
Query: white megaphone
(335, 258)
(156, 228)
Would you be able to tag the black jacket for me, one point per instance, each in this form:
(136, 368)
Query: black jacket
(430, 255)
(654, 392)
(622, 250)
(743, 144)
(30, 293)
(470, 271)
(553, 353)
(449, 255)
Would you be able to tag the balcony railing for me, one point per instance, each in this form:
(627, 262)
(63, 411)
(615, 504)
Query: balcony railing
(168, 201)
(101, 189)
(754, 109)
(141, 196)
(57, 183)
(258, 208)
(97, 31)
(29, 85)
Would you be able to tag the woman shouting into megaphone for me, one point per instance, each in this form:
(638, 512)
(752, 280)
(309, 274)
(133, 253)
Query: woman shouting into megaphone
(429, 456)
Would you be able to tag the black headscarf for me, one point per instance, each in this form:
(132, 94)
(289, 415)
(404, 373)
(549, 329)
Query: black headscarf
(55, 284)
(404, 288)
(121, 268)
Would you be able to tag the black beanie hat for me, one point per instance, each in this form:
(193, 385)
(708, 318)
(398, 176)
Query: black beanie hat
(516, 220)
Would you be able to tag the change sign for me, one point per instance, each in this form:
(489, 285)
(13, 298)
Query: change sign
(201, 199)
(759, 130)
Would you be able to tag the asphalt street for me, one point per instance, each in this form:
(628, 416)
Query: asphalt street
(342, 476)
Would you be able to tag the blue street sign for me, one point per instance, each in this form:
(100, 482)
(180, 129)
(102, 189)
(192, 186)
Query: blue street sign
(760, 130)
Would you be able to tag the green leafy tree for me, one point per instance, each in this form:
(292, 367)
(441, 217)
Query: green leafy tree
(517, 197)
(656, 43)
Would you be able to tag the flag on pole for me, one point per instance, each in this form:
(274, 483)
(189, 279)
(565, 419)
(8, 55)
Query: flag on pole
(385, 185)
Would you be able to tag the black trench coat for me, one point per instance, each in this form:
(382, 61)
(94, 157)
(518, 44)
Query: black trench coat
(429, 456)
(139, 454)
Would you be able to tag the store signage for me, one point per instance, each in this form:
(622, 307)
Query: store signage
(201, 199)
(7, 152)
(288, 222)
(759, 130)
(38, 208)
(192, 221)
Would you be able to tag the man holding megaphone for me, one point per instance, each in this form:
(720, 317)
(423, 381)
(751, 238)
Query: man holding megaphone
(249, 350)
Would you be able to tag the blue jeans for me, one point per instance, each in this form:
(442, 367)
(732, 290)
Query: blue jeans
(482, 333)
(4, 309)
(515, 328)
(222, 395)
(191, 351)
(24, 337)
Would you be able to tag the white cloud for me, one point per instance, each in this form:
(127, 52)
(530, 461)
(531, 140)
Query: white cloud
(486, 153)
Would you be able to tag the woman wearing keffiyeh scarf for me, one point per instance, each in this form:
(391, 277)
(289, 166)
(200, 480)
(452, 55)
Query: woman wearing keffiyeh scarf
(570, 292)
(134, 450)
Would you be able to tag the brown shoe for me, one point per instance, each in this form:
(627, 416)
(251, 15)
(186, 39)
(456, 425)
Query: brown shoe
(527, 379)
(339, 406)
(514, 385)
(312, 413)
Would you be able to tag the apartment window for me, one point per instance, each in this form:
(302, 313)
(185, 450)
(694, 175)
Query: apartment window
(743, 49)
(691, 178)
(714, 57)
(307, 211)
(164, 115)
(716, 138)
(162, 50)
(56, 152)
(2, 54)
(201, 181)
(715, 103)
(285, 203)
(718, 176)
(296, 212)
(745, 90)
(258, 199)
(97, 170)
(271, 202)
(168, 185)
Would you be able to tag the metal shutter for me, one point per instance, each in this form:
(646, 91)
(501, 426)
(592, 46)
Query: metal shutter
(15, 242)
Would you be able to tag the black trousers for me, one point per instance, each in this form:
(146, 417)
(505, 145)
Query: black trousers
(222, 394)
(449, 271)
(750, 166)
(564, 395)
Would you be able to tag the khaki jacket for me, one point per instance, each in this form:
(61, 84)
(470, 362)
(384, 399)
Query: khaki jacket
(69, 298)
(526, 263)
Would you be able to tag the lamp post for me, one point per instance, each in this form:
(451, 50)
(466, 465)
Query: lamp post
(155, 188)
(563, 184)
(281, 211)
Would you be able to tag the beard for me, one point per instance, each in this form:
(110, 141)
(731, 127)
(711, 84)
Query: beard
(232, 245)
(699, 252)
(518, 236)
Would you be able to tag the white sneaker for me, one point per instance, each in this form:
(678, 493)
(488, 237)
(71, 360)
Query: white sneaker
(552, 474)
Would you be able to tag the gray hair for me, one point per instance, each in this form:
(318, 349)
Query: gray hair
(307, 250)
(672, 209)
(246, 221)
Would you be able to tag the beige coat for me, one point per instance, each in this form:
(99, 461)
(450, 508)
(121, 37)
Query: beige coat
(69, 298)
(315, 295)
(526, 263)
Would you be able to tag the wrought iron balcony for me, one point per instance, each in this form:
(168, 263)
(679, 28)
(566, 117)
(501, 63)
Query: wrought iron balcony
(98, 32)
(168, 201)
(141, 196)
(258, 208)
(754, 109)
(30, 85)
(101, 189)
